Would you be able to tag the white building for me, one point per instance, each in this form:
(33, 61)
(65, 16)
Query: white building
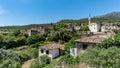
(53, 50)
(73, 52)
(94, 27)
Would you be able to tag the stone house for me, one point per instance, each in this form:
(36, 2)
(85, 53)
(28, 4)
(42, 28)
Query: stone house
(5, 33)
(77, 28)
(72, 27)
(83, 43)
(43, 29)
(23, 32)
(53, 50)
(108, 26)
(32, 32)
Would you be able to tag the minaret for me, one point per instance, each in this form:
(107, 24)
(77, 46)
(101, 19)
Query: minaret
(89, 19)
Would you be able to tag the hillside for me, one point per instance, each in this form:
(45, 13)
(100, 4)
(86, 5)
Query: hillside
(24, 27)
(110, 17)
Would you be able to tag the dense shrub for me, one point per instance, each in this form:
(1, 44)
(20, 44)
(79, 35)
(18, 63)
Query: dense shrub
(12, 41)
(109, 43)
(104, 58)
(36, 45)
(9, 54)
(21, 40)
(40, 62)
(16, 32)
(10, 64)
(29, 53)
(70, 60)
(24, 56)
(62, 36)
(35, 38)
(1, 38)
(11, 59)
(34, 53)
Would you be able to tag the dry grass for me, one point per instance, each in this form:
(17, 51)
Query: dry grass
(26, 64)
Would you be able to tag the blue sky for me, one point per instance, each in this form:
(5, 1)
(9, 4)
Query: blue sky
(23, 12)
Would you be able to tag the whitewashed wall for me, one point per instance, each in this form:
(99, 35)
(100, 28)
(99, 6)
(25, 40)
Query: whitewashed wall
(94, 28)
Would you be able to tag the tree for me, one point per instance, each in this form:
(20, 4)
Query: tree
(35, 38)
(16, 32)
(21, 40)
(86, 28)
(62, 36)
(1, 38)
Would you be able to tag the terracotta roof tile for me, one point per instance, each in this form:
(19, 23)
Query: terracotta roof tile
(92, 39)
(53, 46)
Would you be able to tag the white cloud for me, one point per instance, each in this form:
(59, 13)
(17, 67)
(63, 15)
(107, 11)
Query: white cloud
(2, 10)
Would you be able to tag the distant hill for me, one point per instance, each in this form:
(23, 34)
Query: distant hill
(24, 27)
(110, 17)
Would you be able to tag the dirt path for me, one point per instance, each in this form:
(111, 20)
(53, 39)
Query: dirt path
(26, 64)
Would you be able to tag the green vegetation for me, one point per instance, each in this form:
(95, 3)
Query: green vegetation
(11, 59)
(100, 57)
(35, 38)
(41, 62)
(62, 36)
(11, 41)
(16, 32)
(10, 64)
(111, 42)
(9, 54)
(25, 27)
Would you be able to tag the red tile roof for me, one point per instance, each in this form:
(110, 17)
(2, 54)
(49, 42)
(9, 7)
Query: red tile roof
(92, 39)
(53, 46)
